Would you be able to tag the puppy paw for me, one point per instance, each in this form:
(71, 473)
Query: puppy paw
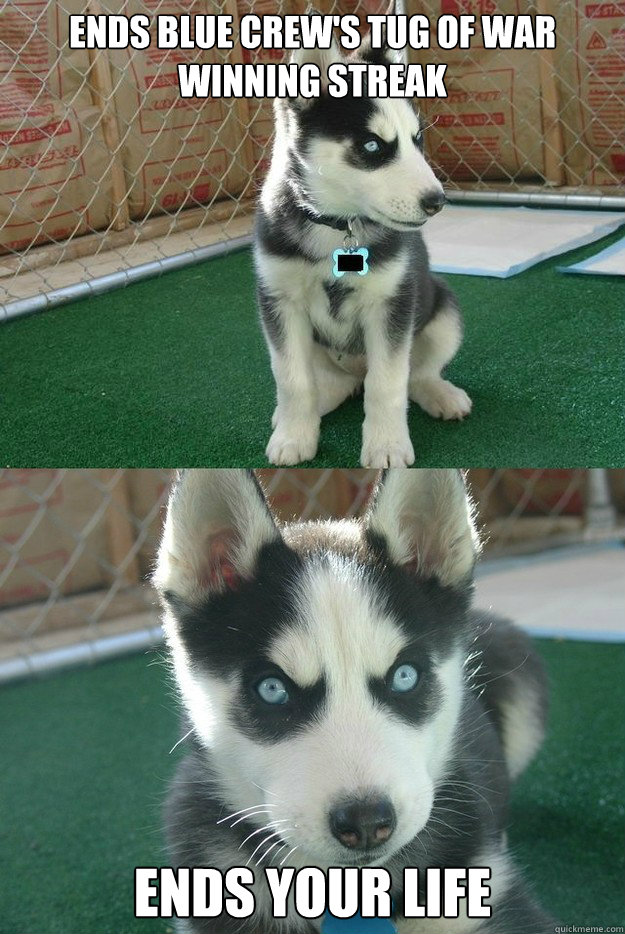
(440, 398)
(380, 450)
(291, 446)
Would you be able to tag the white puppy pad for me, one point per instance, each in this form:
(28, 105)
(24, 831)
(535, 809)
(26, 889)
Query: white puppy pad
(501, 242)
(609, 262)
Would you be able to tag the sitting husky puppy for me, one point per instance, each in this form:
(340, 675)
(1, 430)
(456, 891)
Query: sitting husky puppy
(349, 171)
(346, 707)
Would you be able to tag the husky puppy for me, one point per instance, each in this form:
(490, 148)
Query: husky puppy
(346, 707)
(352, 167)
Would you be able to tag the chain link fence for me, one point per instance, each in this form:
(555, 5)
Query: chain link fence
(77, 546)
(107, 175)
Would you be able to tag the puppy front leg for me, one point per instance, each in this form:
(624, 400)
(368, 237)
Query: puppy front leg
(296, 418)
(385, 438)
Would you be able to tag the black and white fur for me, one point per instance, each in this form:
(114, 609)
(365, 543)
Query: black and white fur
(396, 328)
(331, 609)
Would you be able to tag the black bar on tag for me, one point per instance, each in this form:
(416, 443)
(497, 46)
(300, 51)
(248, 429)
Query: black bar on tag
(350, 262)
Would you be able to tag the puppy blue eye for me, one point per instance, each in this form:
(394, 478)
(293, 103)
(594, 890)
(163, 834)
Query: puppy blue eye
(405, 678)
(371, 145)
(272, 691)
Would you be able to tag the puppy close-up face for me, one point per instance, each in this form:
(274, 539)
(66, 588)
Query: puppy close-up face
(362, 156)
(322, 664)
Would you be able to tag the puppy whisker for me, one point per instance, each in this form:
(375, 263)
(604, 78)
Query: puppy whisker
(283, 861)
(262, 843)
(244, 811)
(262, 830)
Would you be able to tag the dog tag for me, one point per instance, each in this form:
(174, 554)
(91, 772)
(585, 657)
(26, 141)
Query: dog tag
(350, 260)
(357, 925)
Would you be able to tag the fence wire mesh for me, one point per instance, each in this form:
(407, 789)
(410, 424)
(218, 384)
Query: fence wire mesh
(77, 546)
(104, 168)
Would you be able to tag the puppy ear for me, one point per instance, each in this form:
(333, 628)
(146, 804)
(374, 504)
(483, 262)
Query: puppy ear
(323, 58)
(385, 53)
(426, 520)
(217, 522)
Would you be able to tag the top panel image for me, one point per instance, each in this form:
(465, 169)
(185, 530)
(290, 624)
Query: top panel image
(359, 235)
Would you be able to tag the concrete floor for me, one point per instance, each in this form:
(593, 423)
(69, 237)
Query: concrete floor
(574, 592)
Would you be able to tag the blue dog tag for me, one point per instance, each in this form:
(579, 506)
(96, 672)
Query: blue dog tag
(357, 925)
(350, 260)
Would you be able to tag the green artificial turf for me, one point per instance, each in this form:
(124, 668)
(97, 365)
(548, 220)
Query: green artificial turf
(85, 761)
(173, 371)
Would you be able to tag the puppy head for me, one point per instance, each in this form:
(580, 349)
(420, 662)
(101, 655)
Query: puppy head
(321, 663)
(358, 156)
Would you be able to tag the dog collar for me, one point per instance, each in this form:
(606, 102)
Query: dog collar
(326, 220)
(357, 925)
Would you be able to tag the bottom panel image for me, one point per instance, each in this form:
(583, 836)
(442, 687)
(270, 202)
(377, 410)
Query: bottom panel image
(312, 701)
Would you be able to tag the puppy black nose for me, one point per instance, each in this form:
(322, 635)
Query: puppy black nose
(432, 202)
(363, 825)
